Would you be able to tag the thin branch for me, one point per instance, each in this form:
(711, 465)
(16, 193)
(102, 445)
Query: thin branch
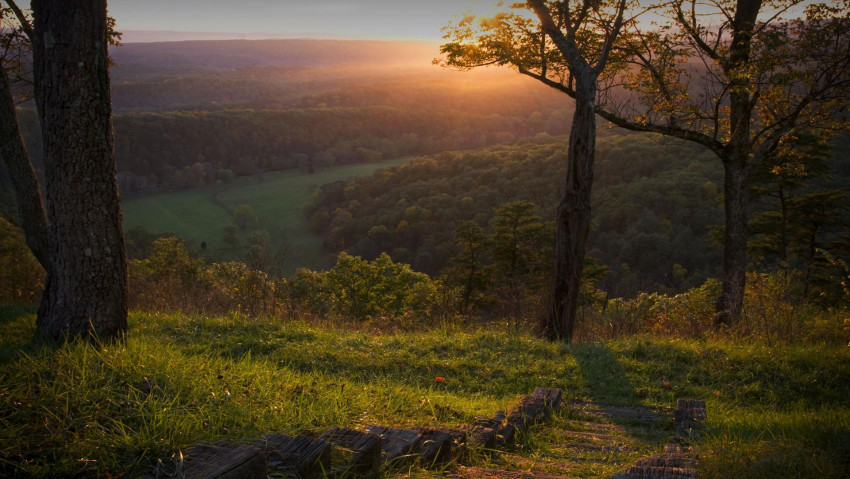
(565, 45)
(692, 32)
(610, 38)
(22, 19)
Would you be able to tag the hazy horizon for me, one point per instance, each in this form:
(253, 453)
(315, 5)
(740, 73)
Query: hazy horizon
(254, 19)
(154, 36)
(391, 20)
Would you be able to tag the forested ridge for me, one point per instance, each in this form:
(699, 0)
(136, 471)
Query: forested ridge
(199, 113)
(657, 207)
(653, 205)
(196, 113)
(190, 148)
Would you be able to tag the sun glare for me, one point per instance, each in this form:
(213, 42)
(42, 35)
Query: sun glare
(481, 8)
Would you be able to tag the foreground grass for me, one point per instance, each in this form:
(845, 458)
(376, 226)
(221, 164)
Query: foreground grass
(87, 410)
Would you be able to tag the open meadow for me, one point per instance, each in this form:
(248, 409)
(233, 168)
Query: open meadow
(200, 214)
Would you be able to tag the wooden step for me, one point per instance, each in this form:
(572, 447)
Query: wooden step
(689, 415)
(300, 456)
(480, 473)
(438, 446)
(480, 435)
(359, 452)
(551, 397)
(224, 460)
(396, 443)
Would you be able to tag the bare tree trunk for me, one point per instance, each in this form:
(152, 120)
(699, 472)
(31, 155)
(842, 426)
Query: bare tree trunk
(730, 303)
(573, 218)
(737, 165)
(86, 289)
(24, 181)
(807, 281)
(783, 237)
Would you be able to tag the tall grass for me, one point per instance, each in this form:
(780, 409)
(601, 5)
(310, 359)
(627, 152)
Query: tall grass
(774, 313)
(88, 409)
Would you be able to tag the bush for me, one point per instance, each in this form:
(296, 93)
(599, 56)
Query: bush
(359, 289)
(171, 279)
(774, 312)
(21, 276)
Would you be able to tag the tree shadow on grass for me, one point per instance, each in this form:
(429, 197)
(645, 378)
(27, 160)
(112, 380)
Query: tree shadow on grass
(17, 333)
(604, 377)
(13, 312)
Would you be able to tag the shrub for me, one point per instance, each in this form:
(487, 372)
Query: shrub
(774, 312)
(359, 289)
(171, 279)
(21, 276)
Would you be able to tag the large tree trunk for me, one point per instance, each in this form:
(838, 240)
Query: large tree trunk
(24, 179)
(573, 218)
(730, 303)
(737, 164)
(86, 289)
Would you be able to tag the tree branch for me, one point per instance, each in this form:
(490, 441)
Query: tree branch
(22, 19)
(610, 38)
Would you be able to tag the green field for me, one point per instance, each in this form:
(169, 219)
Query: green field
(200, 214)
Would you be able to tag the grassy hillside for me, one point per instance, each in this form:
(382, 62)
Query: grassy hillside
(200, 214)
(82, 410)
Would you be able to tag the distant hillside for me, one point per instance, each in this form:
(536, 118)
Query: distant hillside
(654, 201)
(190, 57)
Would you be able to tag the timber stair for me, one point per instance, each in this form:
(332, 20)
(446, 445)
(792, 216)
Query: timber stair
(589, 435)
(341, 452)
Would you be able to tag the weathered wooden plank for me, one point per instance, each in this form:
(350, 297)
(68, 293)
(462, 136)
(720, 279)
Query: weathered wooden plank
(492, 423)
(689, 415)
(505, 432)
(529, 410)
(395, 443)
(671, 464)
(436, 447)
(361, 452)
(651, 472)
(480, 473)
(300, 456)
(224, 460)
(551, 397)
(690, 410)
(484, 436)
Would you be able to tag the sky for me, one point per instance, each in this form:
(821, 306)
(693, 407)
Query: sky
(168, 20)
(372, 19)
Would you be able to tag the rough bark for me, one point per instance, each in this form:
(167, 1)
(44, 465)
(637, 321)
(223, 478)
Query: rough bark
(573, 218)
(86, 288)
(24, 180)
(730, 303)
(737, 163)
(783, 236)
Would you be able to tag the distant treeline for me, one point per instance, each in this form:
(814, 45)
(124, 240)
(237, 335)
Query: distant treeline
(157, 151)
(657, 211)
(654, 202)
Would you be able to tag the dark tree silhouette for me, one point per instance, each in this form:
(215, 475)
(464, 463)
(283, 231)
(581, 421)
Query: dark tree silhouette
(86, 286)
